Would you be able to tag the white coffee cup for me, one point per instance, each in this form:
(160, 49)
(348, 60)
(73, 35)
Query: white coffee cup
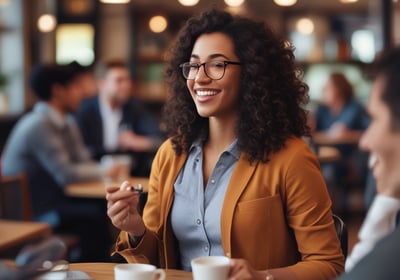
(138, 271)
(211, 268)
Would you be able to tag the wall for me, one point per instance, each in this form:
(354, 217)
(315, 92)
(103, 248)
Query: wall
(12, 56)
(114, 32)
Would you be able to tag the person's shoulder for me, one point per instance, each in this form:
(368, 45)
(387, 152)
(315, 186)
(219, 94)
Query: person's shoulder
(295, 150)
(381, 262)
(88, 107)
(31, 121)
(166, 147)
(89, 102)
(295, 143)
(355, 105)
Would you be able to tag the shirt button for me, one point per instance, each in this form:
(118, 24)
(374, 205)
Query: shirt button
(198, 221)
(212, 181)
(206, 248)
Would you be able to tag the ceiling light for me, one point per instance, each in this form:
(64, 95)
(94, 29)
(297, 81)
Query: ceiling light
(115, 1)
(348, 1)
(305, 26)
(234, 3)
(158, 24)
(188, 2)
(46, 23)
(285, 2)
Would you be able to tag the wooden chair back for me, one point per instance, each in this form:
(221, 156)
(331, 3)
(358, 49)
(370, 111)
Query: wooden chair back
(15, 198)
(342, 232)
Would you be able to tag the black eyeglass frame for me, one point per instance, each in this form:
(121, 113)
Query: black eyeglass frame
(191, 64)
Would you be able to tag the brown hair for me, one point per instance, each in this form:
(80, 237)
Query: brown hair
(345, 88)
(102, 68)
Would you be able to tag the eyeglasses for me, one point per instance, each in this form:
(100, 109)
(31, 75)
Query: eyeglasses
(214, 69)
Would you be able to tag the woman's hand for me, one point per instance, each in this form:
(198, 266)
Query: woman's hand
(122, 209)
(242, 270)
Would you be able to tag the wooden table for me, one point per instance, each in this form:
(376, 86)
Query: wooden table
(324, 138)
(96, 189)
(17, 233)
(105, 271)
(328, 154)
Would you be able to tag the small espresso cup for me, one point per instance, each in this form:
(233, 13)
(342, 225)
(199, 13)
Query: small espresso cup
(138, 271)
(211, 268)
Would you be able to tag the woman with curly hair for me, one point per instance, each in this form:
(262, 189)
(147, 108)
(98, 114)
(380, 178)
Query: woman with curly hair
(235, 178)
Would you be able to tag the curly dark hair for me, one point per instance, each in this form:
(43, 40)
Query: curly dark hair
(271, 93)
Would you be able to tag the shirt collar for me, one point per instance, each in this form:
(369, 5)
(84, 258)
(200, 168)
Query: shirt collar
(55, 117)
(106, 108)
(233, 148)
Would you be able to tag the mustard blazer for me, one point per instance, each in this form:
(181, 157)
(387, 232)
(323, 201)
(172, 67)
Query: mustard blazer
(275, 214)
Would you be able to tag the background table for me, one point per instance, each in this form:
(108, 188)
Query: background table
(105, 271)
(96, 189)
(324, 138)
(18, 233)
(328, 154)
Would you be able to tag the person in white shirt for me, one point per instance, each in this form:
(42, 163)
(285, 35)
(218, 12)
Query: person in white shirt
(116, 122)
(377, 253)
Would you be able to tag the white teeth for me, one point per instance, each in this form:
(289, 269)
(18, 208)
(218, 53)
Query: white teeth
(372, 160)
(205, 92)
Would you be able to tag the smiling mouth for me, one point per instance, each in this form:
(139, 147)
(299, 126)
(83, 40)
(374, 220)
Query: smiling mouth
(206, 92)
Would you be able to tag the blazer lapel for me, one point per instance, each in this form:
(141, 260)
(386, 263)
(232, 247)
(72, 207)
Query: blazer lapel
(237, 184)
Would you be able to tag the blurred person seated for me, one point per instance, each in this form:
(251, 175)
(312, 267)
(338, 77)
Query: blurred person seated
(376, 255)
(116, 122)
(47, 145)
(339, 116)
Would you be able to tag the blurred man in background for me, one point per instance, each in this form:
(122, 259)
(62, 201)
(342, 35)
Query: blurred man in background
(115, 122)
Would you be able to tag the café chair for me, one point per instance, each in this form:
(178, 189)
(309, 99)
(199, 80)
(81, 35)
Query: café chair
(16, 204)
(342, 232)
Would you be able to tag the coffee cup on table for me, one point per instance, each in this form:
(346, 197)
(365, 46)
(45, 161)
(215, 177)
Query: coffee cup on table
(211, 268)
(138, 271)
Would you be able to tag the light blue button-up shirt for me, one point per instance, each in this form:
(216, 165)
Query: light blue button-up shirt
(196, 211)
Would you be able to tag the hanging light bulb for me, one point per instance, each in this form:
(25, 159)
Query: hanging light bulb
(234, 3)
(158, 24)
(305, 26)
(46, 23)
(115, 1)
(188, 2)
(285, 2)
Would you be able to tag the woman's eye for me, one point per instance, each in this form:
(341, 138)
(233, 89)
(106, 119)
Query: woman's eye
(217, 64)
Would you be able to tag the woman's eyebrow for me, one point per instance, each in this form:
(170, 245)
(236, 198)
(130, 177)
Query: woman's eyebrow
(215, 55)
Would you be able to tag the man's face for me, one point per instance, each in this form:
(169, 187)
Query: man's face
(116, 85)
(382, 141)
(69, 96)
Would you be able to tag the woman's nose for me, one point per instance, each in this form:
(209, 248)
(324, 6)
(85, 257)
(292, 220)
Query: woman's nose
(201, 74)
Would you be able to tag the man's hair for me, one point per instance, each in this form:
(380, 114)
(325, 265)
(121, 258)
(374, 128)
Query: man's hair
(387, 66)
(102, 68)
(342, 83)
(44, 76)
